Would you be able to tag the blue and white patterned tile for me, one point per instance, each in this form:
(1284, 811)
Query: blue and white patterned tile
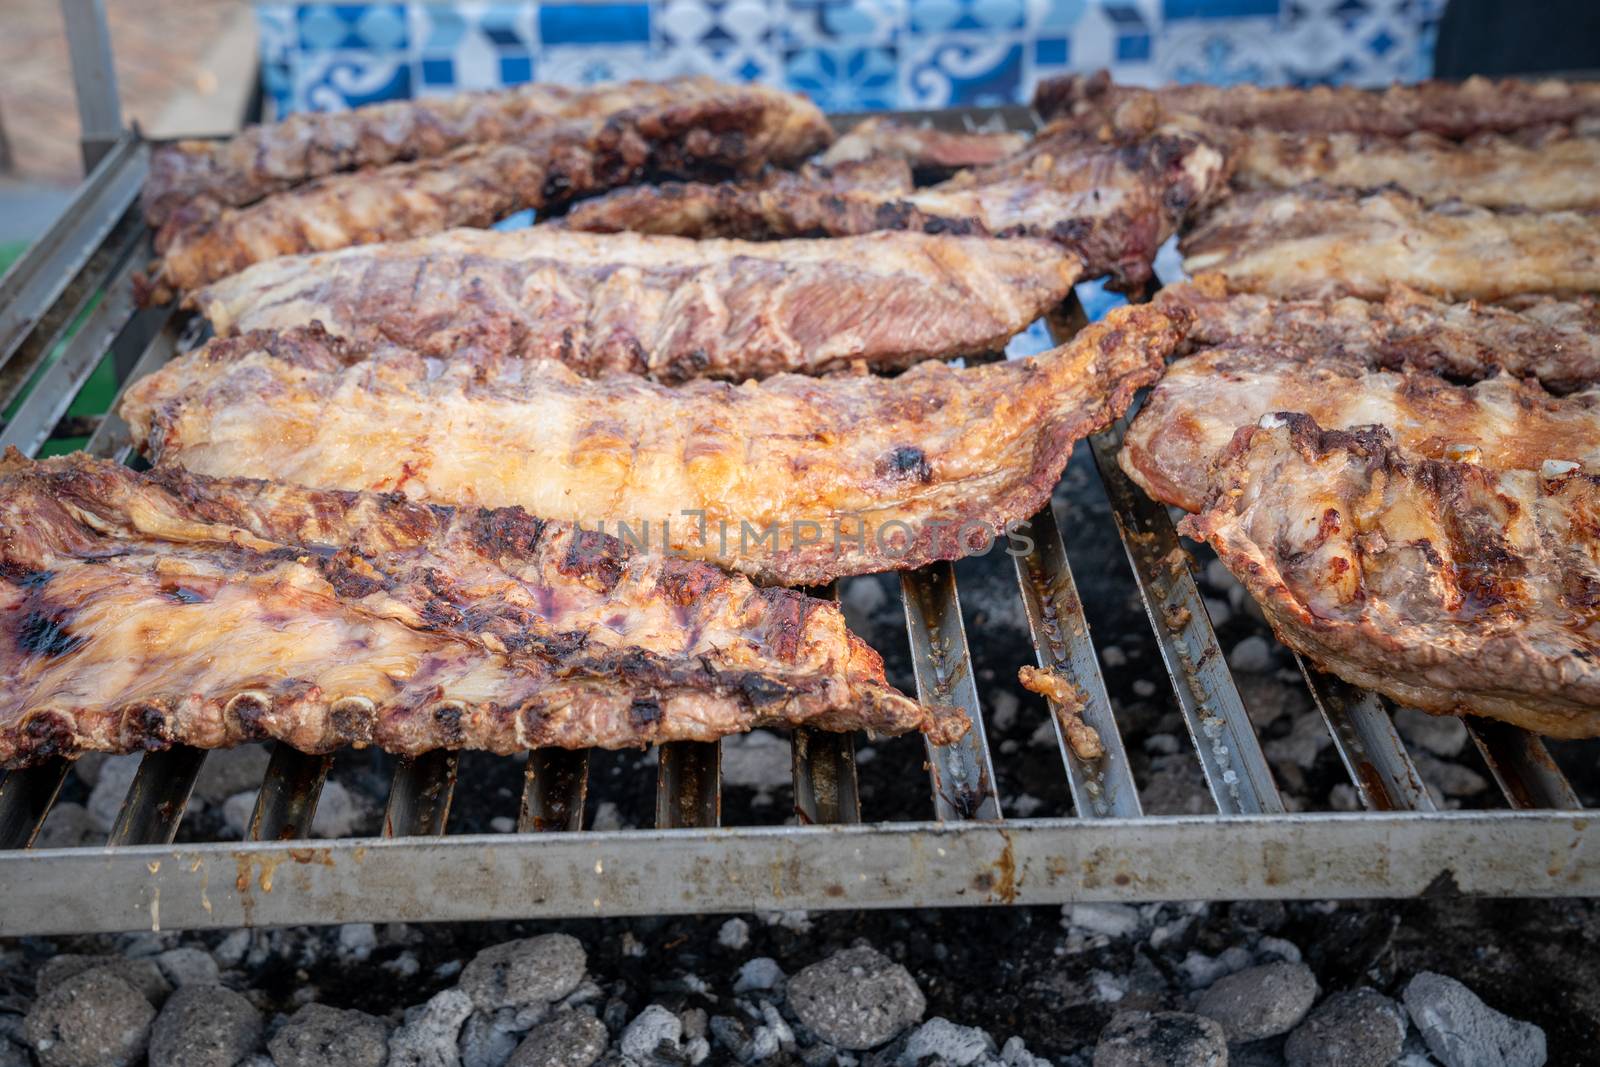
(333, 81)
(840, 22)
(846, 77)
(949, 70)
(574, 64)
(691, 26)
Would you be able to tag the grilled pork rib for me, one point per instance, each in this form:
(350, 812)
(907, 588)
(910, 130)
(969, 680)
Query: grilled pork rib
(1313, 242)
(667, 307)
(1456, 110)
(1555, 341)
(165, 608)
(269, 158)
(1547, 171)
(1450, 587)
(792, 480)
(931, 154)
(713, 134)
(1110, 196)
(1190, 417)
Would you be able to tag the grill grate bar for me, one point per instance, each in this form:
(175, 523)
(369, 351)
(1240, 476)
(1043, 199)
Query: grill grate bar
(1102, 787)
(288, 799)
(1235, 768)
(689, 785)
(57, 263)
(113, 323)
(112, 439)
(25, 800)
(158, 797)
(1521, 766)
(555, 787)
(1364, 736)
(420, 795)
(824, 765)
(962, 774)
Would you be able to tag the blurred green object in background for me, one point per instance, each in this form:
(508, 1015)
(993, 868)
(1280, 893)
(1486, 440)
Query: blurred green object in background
(98, 391)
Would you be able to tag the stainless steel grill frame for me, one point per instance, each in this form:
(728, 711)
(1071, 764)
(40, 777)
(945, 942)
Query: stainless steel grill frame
(969, 853)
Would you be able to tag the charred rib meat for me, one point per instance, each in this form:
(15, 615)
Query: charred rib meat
(932, 154)
(146, 610)
(792, 480)
(1110, 196)
(1450, 587)
(664, 306)
(269, 158)
(1503, 423)
(1544, 171)
(1555, 341)
(1477, 105)
(707, 135)
(1313, 242)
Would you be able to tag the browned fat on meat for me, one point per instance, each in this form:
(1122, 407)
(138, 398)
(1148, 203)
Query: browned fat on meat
(792, 480)
(666, 307)
(1447, 586)
(146, 610)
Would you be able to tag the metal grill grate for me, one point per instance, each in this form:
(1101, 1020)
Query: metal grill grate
(967, 855)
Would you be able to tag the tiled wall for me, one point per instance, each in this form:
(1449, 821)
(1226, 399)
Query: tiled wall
(847, 54)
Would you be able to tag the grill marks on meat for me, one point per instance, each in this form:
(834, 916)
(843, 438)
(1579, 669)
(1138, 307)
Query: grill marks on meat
(1445, 586)
(793, 480)
(1549, 171)
(1111, 197)
(1455, 110)
(1555, 341)
(144, 610)
(266, 159)
(931, 154)
(732, 131)
(667, 307)
(1312, 242)
(1503, 423)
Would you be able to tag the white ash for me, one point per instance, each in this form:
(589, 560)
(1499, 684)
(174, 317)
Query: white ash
(760, 974)
(1305, 741)
(1252, 655)
(1107, 987)
(1450, 779)
(1113, 656)
(797, 921)
(357, 940)
(430, 1033)
(1023, 806)
(734, 934)
(1217, 611)
(649, 1031)
(1144, 688)
(957, 1046)
(1162, 744)
(1107, 920)
(759, 760)
(503, 824)
(608, 817)
(1003, 709)
(110, 787)
(336, 814)
(231, 770)
(1203, 970)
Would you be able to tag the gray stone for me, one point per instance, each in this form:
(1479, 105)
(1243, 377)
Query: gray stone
(357, 940)
(1463, 1031)
(111, 785)
(336, 814)
(204, 1026)
(237, 810)
(143, 975)
(230, 951)
(1356, 1028)
(68, 826)
(1301, 746)
(188, 966)
(1260, 1001)
(1161, 1039)
(535, 970)
(231, 770)
(856, 999)
(957, 1046)
(1443, 735)
(13, 1054)
(1451, 779)
(1253, 654)
(317, 1035)
(87, 767)
(428, 1038)
(91, 1019)
(748, 1044)
(758, 974)
(570, 1039)
(651, 1029)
